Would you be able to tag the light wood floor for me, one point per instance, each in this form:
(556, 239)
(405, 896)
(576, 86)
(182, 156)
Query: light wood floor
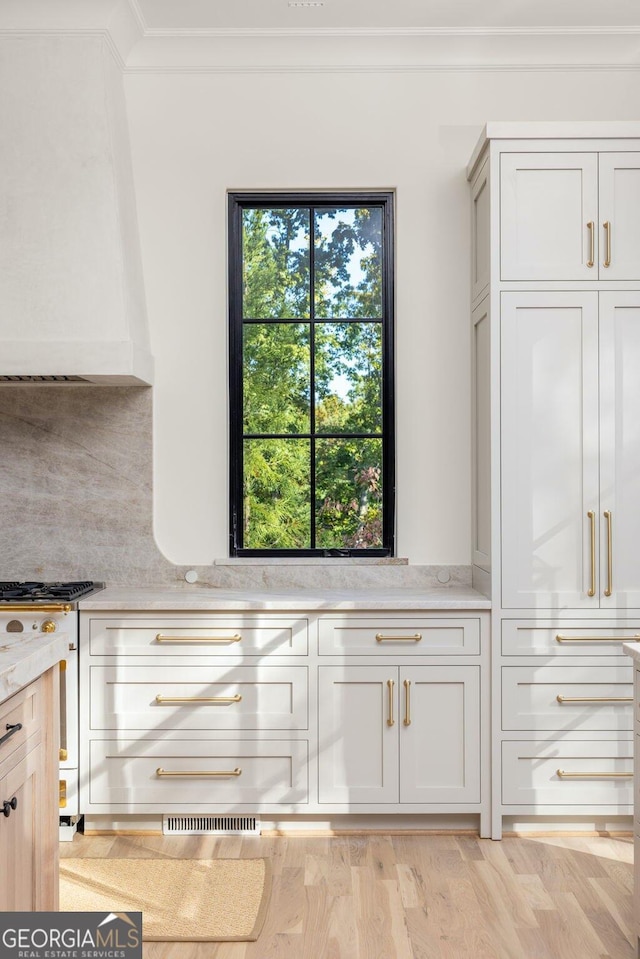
(418, 897)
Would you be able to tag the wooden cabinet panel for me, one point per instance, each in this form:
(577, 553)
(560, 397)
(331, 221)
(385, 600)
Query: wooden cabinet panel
(569, 698)
(549, 449)
(546, 202)
(399, 636)
(440, 747)
(211, 697)
(231, 635)
(595, 773)
(181, 775)
(410, 735)
(619, 178)
(566, 638)
(358, 741)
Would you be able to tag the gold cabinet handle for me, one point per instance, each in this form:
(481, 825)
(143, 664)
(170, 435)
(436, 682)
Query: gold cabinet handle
(198, 772)
(211, 700)
(607, 234)
(596, 639)
(592, 526)
(198, 639)
(390, 719)
(407, 702)
(36, 607)
(592, 249)
(607, 516)
(594, 699)
(63, 755)
(382, 638)
(561, 774)
(62, 794)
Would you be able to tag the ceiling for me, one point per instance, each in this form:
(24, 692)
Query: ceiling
(393, 15)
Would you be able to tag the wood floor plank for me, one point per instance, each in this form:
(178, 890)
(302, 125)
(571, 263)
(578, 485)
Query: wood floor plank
(416, 897)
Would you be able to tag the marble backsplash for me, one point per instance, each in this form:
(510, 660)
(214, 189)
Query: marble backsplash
(76, 489)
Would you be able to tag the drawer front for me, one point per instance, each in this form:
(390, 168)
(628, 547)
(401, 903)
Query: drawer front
(198, 697)
(553, 638)
(567, 697)
(190, 636)
(22, 709)
(399, 636)
(140, 772)
(567, 773)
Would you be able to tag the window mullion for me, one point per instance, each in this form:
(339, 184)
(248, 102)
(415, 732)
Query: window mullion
(312, 377)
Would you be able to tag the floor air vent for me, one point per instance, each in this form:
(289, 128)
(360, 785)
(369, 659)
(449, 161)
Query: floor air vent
(210, 826)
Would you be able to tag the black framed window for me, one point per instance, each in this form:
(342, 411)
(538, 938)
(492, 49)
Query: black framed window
(311, 374)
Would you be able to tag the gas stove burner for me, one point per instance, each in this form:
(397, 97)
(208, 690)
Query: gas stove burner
(39, 592)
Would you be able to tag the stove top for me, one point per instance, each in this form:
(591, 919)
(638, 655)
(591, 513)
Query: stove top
(46, 592)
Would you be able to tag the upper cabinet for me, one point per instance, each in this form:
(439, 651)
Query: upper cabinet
(570, 449)
(568, 216)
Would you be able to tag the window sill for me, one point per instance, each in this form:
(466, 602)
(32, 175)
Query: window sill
(312, 561)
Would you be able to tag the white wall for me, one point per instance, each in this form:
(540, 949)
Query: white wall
(194, 136)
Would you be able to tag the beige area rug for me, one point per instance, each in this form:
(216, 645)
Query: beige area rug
(191, 899)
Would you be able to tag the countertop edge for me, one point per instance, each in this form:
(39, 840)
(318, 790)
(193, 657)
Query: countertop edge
(23, 660)
(114, 599)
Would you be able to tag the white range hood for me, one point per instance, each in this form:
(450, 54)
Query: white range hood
(72, 303)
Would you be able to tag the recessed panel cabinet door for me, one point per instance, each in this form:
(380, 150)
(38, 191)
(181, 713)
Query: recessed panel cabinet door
(549, 216)
(358, 731)
(549, 450)
(619, 518)
(619, 219)
(440, 734)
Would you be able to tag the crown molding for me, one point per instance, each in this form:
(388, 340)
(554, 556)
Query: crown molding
(345, 68)
(139, 49)
(356, 32)
(65, 33)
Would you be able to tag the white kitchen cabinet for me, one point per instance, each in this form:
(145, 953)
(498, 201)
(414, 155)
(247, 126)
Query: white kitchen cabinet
(569, 216)
(570, 449)
(556, 343)
(399, 735)
(261, 712)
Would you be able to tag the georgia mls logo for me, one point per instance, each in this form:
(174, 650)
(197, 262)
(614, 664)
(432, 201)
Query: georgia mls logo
(70, 935)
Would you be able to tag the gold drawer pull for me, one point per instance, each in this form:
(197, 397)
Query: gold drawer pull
(382, 638)
(561, 774)
(216, 700)
(62, 793)
(594, 699)
(198, 639)
(591, 260)
(63, 755)
(596, 639)
(607, 233)
(407, 702)
(390, 719)
(592, 527)
(607, 515)
(198, 772)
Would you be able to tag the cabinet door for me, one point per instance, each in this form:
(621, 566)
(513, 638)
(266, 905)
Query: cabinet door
(439, 726)
(358, 730)
(549, 449)
(547, 201)
(620, 449)
(619, 178)
(20, 849)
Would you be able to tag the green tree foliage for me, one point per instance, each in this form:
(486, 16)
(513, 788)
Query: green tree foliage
(347, 360)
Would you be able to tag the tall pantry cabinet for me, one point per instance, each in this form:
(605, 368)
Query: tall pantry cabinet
(555, 214)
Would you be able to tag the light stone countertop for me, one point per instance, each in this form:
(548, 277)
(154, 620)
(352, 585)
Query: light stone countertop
(202, 598)
(24, 659)
(633, 650)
